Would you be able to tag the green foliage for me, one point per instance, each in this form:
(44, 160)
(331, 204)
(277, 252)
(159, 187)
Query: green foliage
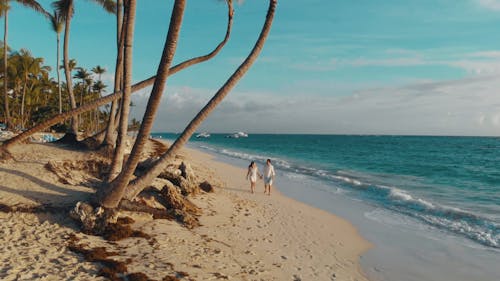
(134, 125)
(33, 94)
(44, 113)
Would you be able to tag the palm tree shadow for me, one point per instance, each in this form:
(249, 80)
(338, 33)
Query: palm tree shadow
(50, 206)
(41, 183)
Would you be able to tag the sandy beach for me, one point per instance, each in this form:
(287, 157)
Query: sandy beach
(242, 236)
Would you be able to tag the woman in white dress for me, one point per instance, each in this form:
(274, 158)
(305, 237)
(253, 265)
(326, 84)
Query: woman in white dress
(252, 174)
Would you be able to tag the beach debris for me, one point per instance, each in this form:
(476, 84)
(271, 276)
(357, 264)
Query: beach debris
(159, 184)
(138, 276)
(182, 274)
(111, 269)
(175, 200)
(186, 218)
(93, 221)
(219, 275)
(79, 172)
(170, 278)
(117, 231)
(184, 210)
(207, 187)
(178, 172)
(105, 223)
(125, 220)
(164, 198)
(186, 184)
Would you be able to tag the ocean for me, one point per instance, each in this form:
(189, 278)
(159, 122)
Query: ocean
(449, 183)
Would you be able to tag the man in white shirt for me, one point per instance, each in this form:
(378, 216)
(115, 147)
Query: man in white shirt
(268, 177)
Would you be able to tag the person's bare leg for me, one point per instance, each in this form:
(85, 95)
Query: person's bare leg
(269, 192)
(252, 186)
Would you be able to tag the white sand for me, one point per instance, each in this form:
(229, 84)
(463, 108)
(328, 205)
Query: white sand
(243, 236)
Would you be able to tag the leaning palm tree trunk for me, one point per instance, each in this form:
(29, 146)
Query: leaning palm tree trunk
(110, 139)
(143, 181)
(111, 197)
(5, 81)
(125, 102)
(117, 95)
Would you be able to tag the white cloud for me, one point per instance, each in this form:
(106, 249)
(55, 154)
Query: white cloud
(490, 4)
(486, 55)
(401, 61)
(460, 107)
(477, 63)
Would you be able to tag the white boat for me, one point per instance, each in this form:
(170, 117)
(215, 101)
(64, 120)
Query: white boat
(203, 135)
(238, 135)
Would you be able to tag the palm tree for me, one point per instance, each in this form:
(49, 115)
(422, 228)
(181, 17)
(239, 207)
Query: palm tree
(98, 70)
(110, 138)
(84, 76)
(7, 145)
(134, 125)
(141, 182)
(57, 25)
(38, 89)
(86, 81)
(4, 8)
(27, 67)
(113, 195)
(98, 88)
(72, 64)
(65, 8)
(4, 11)
(127, 87)
(29, 71)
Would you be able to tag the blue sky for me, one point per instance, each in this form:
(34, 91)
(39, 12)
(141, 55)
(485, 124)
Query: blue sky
(329, 66)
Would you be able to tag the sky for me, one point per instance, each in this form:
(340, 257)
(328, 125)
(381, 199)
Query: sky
(413, 67)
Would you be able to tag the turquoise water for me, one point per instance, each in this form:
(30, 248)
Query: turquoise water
(452, 183)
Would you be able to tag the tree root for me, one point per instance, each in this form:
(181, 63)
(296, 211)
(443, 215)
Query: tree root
(39, 209)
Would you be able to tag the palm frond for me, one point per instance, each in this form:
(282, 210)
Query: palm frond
(34, 5)
(56, 22)
(98, 70)
(4, 7)
(108, 5)
(64, 8)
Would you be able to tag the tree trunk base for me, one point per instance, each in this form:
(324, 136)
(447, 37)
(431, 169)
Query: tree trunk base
(93, 220)
(91, 143)
(106, 150)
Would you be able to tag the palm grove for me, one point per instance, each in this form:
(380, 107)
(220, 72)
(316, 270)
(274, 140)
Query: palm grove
(34, 102)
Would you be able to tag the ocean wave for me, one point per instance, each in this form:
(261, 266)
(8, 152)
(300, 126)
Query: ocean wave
(465, 223)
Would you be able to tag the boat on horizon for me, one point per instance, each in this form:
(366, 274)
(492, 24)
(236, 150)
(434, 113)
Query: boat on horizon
(203, 135)
(237, 135)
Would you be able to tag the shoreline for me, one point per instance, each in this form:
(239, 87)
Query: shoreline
(324, 221)
(402, 248)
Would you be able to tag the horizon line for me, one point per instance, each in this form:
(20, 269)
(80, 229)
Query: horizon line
(340, 134)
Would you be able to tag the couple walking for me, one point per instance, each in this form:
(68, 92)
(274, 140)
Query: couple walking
(269, 174)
